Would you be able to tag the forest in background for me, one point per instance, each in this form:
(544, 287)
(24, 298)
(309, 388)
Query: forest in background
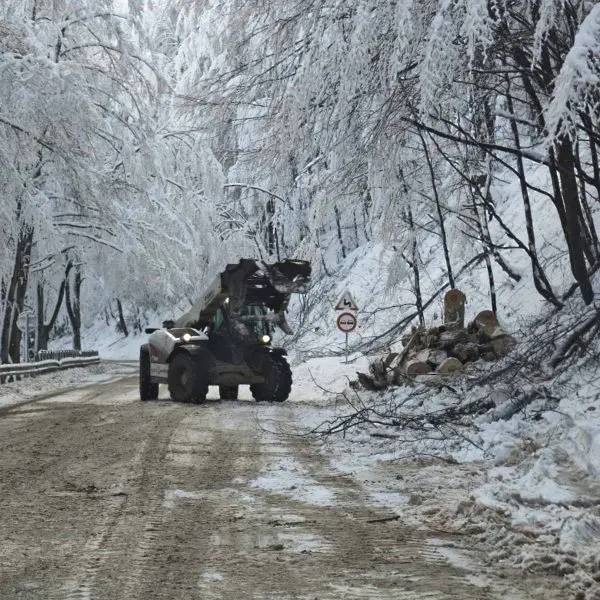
(143, 146)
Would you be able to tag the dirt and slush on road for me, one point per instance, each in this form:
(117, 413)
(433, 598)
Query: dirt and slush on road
(105, 497)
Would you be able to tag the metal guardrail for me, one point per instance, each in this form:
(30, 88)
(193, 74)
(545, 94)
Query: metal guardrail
(60, 354)
(48, 361)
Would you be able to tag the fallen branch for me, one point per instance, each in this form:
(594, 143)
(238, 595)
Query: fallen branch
(564, 349)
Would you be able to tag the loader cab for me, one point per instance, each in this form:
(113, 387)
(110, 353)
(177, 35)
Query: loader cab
(218, 322)
(228, 332)
(252, 323)
(256, 319)
(219, 337)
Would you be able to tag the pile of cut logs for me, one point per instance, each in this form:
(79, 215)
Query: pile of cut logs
(443, 349)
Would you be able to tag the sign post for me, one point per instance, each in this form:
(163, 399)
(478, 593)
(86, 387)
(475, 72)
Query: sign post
(347, 321)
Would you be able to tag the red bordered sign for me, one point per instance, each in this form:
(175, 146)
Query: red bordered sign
(347, 322)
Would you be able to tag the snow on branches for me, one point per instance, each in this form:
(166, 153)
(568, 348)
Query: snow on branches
(577, 86)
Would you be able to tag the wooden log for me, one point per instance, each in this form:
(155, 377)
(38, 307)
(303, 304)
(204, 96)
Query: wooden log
(416, 367)
(431, 339)
(461, 352)
(465, 352)
(377, 367)
(389, 359)
(366, 382)
(399, 377)
(436, 357)
(379, 374)
(432, 356)
(472, 351)
(447, 327)
(410, 346)
(450, 365)
(488, 356)
(501, 342)
(485, 322)
(484, 348)
(454, 307)
(449, 339)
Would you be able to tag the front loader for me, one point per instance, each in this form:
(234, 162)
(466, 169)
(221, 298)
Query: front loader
(225, 337)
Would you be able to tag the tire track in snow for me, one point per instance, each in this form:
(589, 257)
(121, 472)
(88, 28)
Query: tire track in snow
(115, 558)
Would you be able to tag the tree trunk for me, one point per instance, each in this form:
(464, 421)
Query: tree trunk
(540, 281)
(573, 215)
(414, 263)
(42, 335)
(486, 241)
(439, 211)
(44, 328)
(454, 308)
(338, 224)
(593, 242)
(73, 303)
(121, 325)
(589, 128)
(15, 292)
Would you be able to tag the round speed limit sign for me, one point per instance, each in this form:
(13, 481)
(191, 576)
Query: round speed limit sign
(346, 322)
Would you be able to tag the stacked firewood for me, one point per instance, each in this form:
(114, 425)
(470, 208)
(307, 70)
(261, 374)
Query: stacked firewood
(441, 350)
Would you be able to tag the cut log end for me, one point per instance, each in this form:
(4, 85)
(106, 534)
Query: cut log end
(486, 322)
(417, 367)
(454, 307)
(450, 365)
(502, 343)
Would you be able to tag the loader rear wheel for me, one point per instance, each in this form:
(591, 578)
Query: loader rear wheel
(278, 380)
(228, 392)
(148, 390)
(188, 378)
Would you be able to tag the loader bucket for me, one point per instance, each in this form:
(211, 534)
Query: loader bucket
(289, 276)
(251, 282)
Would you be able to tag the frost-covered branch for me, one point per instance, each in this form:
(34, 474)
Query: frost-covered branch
(255, 187)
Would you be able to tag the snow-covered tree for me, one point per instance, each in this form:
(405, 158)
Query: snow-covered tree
(72, 127)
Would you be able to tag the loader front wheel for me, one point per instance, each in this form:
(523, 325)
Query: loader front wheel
(188, 378)
(148, 390)
(278, 380)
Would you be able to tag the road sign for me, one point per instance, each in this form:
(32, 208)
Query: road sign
(346, 322)
(346, 302)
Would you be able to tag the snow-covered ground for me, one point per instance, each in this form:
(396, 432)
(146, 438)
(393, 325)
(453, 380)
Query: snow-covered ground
(528, 487)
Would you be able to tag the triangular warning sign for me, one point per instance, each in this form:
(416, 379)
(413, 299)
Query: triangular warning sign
(346, 302)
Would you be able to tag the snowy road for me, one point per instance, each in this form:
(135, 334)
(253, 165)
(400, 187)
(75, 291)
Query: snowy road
(102, 496)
